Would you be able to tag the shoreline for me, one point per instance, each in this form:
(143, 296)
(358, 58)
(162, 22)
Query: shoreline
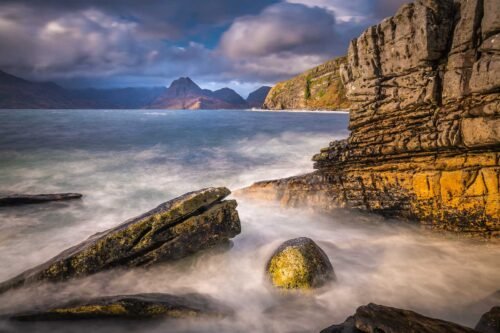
(300, 111)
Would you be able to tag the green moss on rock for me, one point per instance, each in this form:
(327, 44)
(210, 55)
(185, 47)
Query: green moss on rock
(173, 230)
(141, 306)
(299, 264)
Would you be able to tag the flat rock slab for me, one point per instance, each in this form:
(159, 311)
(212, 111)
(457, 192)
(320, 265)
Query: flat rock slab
(141, 306)
(373, 318)
(173, 230)
(27, 199)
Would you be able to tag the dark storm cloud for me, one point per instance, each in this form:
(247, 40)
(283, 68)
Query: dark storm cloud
(128, 42)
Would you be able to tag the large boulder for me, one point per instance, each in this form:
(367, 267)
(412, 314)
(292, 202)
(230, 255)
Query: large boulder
(490, 321)
(374, 318)
(173, 230)
(141, 306)
(299, 264)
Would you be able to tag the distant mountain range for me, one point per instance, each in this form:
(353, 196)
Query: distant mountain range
(183, 93)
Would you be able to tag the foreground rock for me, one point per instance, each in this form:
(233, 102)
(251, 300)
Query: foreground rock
(490, 321)
(299, 264)
(173, 230)
(374, 318)
(142, 306)
(424, 87)
(317, 89)
(25, 199)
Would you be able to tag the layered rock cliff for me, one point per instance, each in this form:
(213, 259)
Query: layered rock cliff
(424, 87)
(317, 89)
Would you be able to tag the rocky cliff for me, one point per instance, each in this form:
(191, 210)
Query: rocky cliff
(424, 87)
(317, 89)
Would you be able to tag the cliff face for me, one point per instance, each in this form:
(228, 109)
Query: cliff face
(425, 120)
(318, 88)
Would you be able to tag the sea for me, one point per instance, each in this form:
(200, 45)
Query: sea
(126, 162)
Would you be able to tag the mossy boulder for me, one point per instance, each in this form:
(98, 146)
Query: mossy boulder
(299, 264)
(141, 306)
(173, 230)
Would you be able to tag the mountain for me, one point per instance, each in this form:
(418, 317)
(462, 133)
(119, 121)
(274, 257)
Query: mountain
(232, 97)
(256, 99)
(17, 93)
(317, 89)
(183, 93)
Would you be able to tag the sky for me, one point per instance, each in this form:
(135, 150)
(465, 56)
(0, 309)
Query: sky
(242, 44)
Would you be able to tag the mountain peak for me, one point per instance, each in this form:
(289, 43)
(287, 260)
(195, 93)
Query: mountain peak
(183, 86)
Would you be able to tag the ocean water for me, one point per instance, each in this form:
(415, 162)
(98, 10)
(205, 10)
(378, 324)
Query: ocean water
(126, 162)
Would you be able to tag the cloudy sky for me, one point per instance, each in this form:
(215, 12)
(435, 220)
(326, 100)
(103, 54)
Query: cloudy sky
(238, 43)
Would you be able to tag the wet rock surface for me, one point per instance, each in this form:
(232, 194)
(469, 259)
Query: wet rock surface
(173, 230)
(299, 264)
(490, 321)
(140, 306)
(26, 199)
(373, 318)
(425, 110)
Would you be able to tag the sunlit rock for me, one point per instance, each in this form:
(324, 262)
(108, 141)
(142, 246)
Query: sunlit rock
(299, 264)
(320, 88)
(141, 306)
(173, 230)
(423, 87)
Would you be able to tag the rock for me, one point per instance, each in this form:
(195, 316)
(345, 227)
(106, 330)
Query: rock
(25, 199)
(141, 306)
(299, 264)
(490, 321)
(173, 230)
(425, 108)
(256, 99)
(317, 89)
(374, 318)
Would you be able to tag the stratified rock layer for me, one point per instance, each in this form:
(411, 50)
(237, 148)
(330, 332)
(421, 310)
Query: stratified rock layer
(373, 318)
(173, 230)
(141, 306)
(425, 122)
(317, 89)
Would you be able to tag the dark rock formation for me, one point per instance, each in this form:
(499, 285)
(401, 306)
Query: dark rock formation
(490, 321)
(142, 306)
(184, 94)
(317, 89)
(299, 264)
(25, 199)
(373, 318)
(256, 99)
(173, 230)
(425, 118)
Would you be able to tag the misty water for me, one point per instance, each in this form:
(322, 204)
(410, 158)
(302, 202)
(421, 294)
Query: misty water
(127, 162)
